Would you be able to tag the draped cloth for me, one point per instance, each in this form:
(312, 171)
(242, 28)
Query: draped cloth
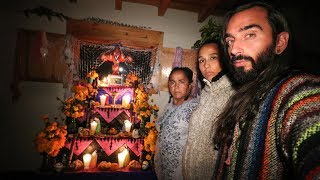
(177, 62)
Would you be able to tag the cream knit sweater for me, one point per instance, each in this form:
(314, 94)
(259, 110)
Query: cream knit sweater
(199, 155)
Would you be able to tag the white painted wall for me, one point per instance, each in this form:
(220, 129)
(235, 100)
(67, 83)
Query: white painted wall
(21, 120)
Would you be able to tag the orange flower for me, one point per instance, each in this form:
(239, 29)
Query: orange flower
(144, 111)
(148, 157)
(131, 79)
(92, 74)
(52, 138)
(150, 125)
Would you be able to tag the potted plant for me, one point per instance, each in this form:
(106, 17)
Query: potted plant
(212, 30)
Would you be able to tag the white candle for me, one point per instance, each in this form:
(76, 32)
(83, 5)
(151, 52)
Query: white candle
(121, 157)
(86, 161)
(94, 158)
(126, 100)
(126, 158)
(93, 127)
(105, 81)
(127, 125)
(103, 100)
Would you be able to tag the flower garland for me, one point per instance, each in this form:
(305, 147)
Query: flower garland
(150, 140)
(144, 110)
(52, 138)
(104, 21)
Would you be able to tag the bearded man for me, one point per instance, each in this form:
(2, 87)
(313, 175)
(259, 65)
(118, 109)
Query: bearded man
(270, 128)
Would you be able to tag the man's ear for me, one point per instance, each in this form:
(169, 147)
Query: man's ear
(282, 42)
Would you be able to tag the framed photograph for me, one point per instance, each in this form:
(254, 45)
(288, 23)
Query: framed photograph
(114, 80)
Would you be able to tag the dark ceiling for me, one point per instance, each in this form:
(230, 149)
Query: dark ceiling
(204, 8)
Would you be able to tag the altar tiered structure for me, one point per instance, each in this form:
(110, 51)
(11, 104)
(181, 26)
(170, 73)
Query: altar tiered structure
(108, 126)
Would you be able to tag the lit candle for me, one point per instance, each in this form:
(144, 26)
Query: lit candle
(86, 160)
(127, 125)
(103, 100)
(94, 158)
(105, 81)
(121, 157)
(93, 127)
(126, 100)
(126, 158)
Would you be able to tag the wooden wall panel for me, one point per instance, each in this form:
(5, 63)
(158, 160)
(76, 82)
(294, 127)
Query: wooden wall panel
(109, 34)
(166, 61)
(31, 66)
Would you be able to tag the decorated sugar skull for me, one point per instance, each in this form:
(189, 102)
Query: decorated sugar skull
(135, 133)
(145, 165)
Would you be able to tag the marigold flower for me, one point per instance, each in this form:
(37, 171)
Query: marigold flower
(51, 139)
(148, 157)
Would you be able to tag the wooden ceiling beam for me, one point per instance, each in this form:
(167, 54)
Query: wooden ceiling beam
(206, 10)
(118, 4)
(164, 5)
(146, 2)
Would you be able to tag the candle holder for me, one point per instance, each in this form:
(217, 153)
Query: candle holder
(114, 94)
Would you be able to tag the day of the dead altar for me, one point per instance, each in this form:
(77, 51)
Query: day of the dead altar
(108, 127)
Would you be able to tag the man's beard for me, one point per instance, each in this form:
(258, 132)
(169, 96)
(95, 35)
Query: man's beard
(263, 60)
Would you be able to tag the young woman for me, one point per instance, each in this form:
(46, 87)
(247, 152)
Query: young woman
(173, 125)
(199, 157)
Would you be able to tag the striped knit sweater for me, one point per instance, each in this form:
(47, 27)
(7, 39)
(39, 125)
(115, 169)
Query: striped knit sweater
(283, 141)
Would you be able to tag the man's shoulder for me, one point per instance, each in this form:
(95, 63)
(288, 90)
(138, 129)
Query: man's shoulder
(305, 75)
(298, 85)
(300, 78)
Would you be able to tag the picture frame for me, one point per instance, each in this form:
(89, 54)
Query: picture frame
(115, 80)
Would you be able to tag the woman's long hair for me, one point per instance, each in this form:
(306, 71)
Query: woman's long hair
(222, 59)
(244, 104)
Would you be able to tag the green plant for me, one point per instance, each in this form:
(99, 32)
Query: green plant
(211, 30)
